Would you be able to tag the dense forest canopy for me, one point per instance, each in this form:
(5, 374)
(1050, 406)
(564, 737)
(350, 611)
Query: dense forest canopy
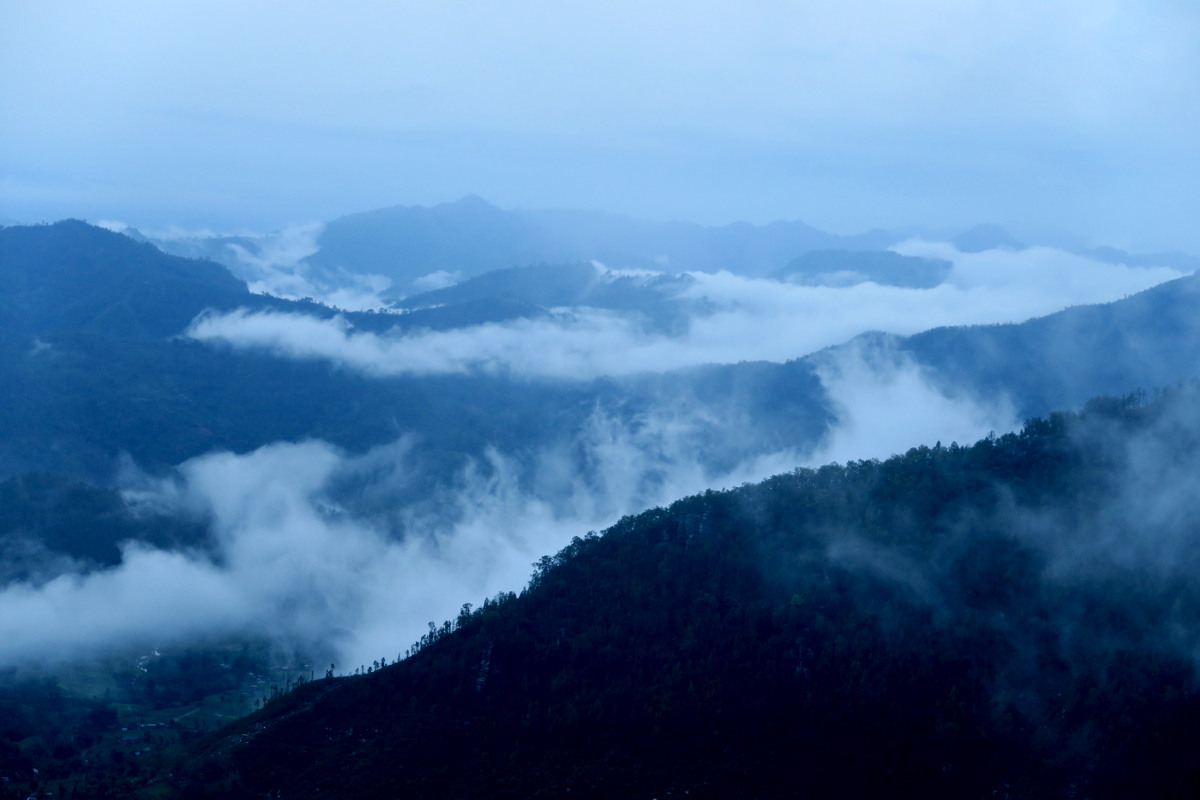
(1014, 617)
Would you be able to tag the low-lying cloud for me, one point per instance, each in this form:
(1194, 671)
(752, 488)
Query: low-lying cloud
(274, 263)
(884, 405)
(745, 319)
(295, 555)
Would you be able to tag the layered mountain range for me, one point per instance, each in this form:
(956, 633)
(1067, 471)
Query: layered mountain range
(1005, 616)
(97, 365)
(1006, 619)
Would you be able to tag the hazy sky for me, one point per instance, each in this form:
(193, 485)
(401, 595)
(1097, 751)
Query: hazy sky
(1076, 115)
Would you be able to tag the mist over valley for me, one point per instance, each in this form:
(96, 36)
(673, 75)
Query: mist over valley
(723, 400)
(194, 462)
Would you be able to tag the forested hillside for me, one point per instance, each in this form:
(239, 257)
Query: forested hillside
(1013, 618)
(553, 400)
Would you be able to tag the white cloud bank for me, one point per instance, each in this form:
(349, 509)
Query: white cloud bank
(884, 405)
(277, 267)
(272, 263)
(754, 320)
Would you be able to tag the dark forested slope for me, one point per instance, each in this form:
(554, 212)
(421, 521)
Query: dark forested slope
(72, 276)
(1015, 619)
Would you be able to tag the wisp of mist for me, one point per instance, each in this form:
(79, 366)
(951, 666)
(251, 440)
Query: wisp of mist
(746, 319)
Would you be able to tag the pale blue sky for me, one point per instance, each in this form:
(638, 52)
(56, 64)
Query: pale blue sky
(1075, 115)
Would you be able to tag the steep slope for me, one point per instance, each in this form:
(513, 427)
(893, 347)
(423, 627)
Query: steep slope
(1002, 619)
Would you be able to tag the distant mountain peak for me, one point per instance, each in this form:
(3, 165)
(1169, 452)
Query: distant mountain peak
(470, 201)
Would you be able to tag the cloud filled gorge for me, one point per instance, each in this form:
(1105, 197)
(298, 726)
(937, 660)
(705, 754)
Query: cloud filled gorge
(743, 319)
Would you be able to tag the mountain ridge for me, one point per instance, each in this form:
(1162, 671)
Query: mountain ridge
(843, 629)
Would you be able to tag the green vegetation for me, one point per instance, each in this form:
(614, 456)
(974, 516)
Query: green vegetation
(953, 622)
(1010, 618)
(103, 728)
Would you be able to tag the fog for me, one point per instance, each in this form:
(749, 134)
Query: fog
(296, 558)
(1145, 525)
(884, 405)
(1070, 123)
(309, 547)
(746, 319)
(270, 263)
